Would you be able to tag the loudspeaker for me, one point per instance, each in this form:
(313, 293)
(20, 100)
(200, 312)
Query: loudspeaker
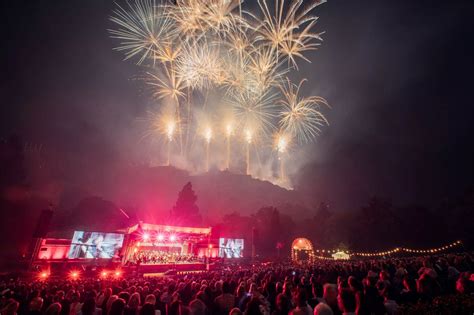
(42, 227)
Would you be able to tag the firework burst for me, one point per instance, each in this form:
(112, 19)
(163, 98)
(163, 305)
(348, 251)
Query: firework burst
(301, 116)
(200, 66)
(255, 111)
(143, 28)
(167, 84)
(224, 68)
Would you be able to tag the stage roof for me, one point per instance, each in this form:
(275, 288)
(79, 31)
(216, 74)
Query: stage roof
(169, 228)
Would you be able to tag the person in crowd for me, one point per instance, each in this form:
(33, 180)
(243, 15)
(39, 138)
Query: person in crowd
(409, 295)
(427, 287)
(36, 306)
(226, 301)
(11, 308)
(381, 286)
(197, 307)
(235, 311)
(254, 307)
(147, 309)
(103, 298)
(75, 304)
(133, 304)
(372, 301)
(53, 309)
(390, 304)
(330, 297)
(347, 302)
(427, 269)
(283, 305)
(111, 300)
(302, 307)
(323, 309)
(464, 285)
(117, 307)
(89, 308)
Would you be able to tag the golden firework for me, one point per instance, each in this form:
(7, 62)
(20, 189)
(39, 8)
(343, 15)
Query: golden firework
(143, 28)
(301, 116)
(222, 65)
(167, 84)
(255, 111)
(289, 30)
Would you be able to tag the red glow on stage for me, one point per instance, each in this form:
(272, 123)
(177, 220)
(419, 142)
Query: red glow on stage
(146, 236)
(118, 273)
(54, 248)
(210, 245)
(160, 237)
(173, 238)
(43, 275)
(104, 274)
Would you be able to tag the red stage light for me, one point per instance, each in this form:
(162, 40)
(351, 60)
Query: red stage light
(173, 238)
(44, 275)
(104, 274)
(210, 245)
(74, 274)
(146, 236)
(118, 274)
(161, 237)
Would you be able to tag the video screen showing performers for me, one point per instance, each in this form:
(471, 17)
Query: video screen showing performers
(231, 247)
(95, 245)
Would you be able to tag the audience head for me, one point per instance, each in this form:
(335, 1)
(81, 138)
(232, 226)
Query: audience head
(134, 301)
(53, 309)
(88, 307)
(36, 304)
(330, 293)
(346, 301)
(150, 299)
(301, 299)
(147, 309)
(117, 307)
(283, 304)
(111, 299)
(323, 309)
(235, 311)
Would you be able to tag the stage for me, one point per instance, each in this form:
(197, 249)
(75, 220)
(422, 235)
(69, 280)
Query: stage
(140, 249)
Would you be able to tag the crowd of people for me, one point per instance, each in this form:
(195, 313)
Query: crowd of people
(323, 287)
(152, 257)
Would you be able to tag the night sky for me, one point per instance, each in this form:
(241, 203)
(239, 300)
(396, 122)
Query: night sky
(397, 74)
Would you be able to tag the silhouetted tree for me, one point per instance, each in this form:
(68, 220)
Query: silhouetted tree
(272, 228)
(319, 225)
(185, 211)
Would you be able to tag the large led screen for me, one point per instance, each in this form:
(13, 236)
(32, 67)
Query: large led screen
(95, 245)
(231, 247)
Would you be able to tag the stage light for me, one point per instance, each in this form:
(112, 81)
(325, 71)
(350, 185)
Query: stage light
(118, 274)
(173, 238)
(44, 275)
(161, 237)
(74, 275)
(146, 236)
(210, 246)
(104, 274)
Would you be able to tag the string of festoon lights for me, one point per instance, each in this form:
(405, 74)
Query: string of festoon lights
(387, 252)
